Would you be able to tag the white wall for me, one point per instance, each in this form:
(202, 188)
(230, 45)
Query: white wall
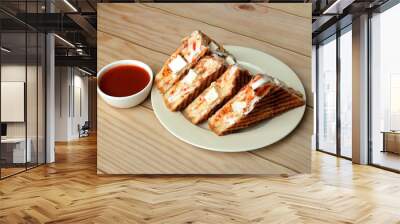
(12, 73)
(33, 126)
(386, 67)
(81, 103)
(70, 83)
(385, 71)
(61, 103)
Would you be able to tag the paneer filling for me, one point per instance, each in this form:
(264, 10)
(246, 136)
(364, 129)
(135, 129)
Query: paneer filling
(243, 103)
(211, 95)
(177, 64)
(239, 106)
(193, 78)
(190, 77)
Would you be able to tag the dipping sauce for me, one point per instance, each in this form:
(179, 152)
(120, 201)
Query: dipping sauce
(124, 80)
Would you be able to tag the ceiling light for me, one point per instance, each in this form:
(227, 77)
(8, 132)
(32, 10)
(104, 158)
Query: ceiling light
(70, 5)
(5, 50)
(337, 7)
(64, 40)
(79, 51)
(84, 71)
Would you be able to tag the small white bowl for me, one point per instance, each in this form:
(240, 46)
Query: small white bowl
(125, 101)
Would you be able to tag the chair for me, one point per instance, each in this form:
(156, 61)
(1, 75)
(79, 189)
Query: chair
(84, 130)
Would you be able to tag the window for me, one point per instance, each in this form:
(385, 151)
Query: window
(326, 91)
(385, 89)
(346, 92)
(335, 74)
(394, 101)
(22, 75)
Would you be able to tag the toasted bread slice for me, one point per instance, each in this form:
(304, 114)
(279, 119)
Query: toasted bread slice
(262, 98)
(182, 93)
(218, 93)
(185, 57)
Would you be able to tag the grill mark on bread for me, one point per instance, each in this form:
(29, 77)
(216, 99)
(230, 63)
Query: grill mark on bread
(187, 97)
(165, 79)
(276, 100)
(200, 110)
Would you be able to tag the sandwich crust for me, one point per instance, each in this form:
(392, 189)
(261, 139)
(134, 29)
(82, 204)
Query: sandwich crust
(217, 94)
(262, 98)
(191, 50)
(182, 93)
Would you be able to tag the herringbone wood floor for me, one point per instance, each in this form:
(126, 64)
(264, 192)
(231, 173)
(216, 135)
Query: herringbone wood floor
(69, 191)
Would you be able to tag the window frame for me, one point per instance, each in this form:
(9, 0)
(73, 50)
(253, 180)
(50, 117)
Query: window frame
(381, 9)
(337, 34)
(27, 29)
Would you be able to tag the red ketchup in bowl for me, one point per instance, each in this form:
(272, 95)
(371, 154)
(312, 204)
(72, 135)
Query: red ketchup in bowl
(124, 80)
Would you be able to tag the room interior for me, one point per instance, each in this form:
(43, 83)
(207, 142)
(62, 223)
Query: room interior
(334, 70)
(22, 102)
(49, 127)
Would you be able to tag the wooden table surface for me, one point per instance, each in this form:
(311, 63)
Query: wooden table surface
(132, 141)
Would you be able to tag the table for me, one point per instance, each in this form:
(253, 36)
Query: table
(18, 151)
(391, 141)
(132, 141)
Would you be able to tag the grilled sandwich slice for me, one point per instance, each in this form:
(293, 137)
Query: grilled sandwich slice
(185, 57)
(262, 98)
(218, 93)
(182, 93)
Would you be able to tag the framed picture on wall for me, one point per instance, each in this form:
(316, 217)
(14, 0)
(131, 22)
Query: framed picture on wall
(12, 101)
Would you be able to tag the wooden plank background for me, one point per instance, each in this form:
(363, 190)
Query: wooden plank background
(132, 141)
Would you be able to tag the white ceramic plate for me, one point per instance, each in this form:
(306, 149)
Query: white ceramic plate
(263, 134)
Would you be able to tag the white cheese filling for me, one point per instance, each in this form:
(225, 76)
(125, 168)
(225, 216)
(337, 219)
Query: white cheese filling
(260, 82)
(192, 55)
(238, 106)
(177, 64)
(190, 77)
(194, 42)
(252, 104)
(211, 65)
(211, 95)
(174, 97)
(230, 120)
(194, 48)
(178, 94)
(232, 71)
